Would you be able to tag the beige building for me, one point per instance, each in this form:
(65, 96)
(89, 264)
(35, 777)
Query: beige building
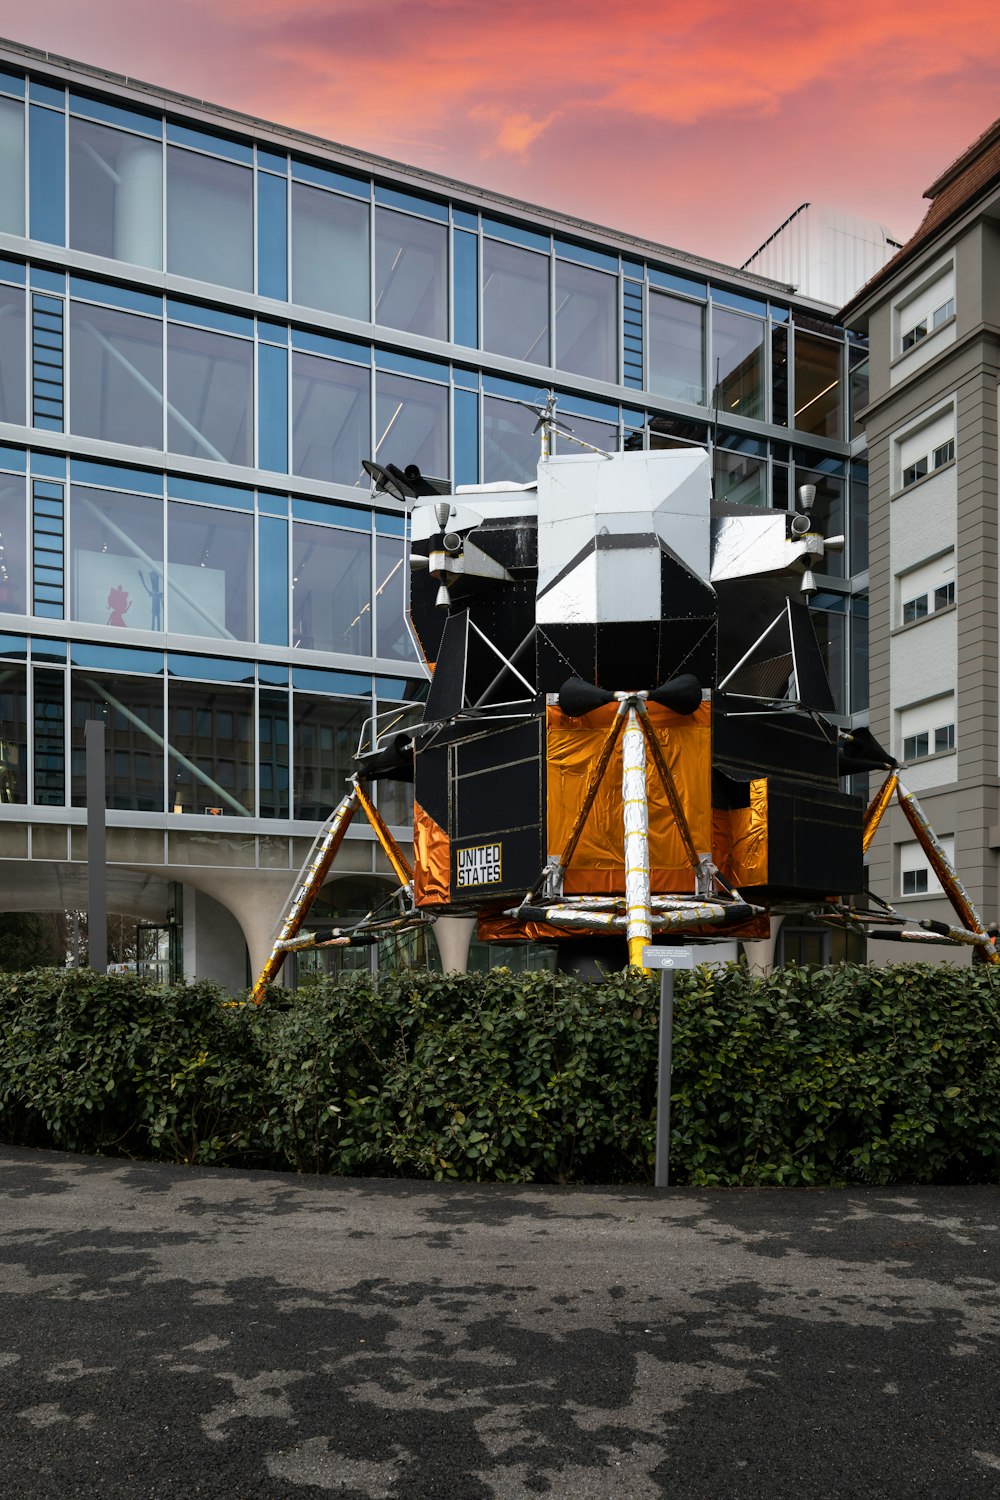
(932, 315)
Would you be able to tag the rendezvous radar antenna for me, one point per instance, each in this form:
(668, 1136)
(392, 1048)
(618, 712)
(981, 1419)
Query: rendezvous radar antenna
(547, 423)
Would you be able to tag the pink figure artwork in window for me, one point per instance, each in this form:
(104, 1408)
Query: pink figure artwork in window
(119, 604)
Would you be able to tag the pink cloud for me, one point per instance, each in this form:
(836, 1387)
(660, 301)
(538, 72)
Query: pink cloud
(701, 126)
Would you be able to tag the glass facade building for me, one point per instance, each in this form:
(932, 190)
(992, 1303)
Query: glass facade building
(206, 325)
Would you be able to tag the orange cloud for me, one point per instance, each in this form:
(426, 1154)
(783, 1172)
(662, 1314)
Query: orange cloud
(700, 123)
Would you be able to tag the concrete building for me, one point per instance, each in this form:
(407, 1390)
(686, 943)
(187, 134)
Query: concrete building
(932, 316)
(823, 253)
(206, 323)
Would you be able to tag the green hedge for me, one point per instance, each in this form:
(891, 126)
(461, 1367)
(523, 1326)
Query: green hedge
(848, 1074)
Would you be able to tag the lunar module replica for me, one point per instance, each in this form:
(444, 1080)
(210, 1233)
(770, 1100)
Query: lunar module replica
(627, 731)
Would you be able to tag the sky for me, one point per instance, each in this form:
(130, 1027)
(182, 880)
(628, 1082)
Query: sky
(700, 125)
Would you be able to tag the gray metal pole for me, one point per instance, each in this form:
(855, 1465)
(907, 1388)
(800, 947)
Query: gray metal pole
(662, 1170)
(97, 866)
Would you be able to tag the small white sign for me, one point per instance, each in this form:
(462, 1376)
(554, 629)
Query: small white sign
(667, 958)
(480, 865)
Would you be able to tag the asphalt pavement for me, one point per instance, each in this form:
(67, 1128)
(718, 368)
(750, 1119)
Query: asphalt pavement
(176, 1332)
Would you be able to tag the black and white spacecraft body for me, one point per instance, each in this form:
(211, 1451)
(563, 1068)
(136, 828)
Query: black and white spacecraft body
(629, 729)
(612, 599)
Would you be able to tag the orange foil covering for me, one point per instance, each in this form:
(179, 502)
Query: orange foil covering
(572, 749)
(739, 839)
(431, 860)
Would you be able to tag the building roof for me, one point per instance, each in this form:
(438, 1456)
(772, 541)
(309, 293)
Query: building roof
(958, 186)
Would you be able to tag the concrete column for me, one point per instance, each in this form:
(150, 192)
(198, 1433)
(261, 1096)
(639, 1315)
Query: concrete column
(138, 205)
(760, 953)
(214, 946)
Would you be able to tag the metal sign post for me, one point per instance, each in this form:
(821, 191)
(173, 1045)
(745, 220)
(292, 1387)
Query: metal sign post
(668, 961)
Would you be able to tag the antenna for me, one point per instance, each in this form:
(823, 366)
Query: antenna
(547, 422)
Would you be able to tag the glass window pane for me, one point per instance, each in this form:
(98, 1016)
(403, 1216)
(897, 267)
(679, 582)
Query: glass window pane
(273, 565)
(13, 733)
(132, 711)
(779, 376)
(209, 219)
(210, 729)
(738, 362)
(50, 737)
(510, 447)
(331, 419)
(272, 750)
(676, 348)
(859, 653)
(392, 638)
(817, 385)
(210, 571)
(47, 174)
(11, 166)
(466, 293)
(330, 258)
(586, 321)
(859, 392)
(828, 512)
(331, 589)
(210, 395)
(411, 285)
(12, 355)
(603, 435)
(326, 736)
(740, 479)
(116, 559)
(515, 302)
(272, 236)
(831, 632)
(116, 376)
(13, 546)
(859, 518)
(411, 424)
(115, 194)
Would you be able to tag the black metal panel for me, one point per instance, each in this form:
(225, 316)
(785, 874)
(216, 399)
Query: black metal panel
(813, 842)
(496, 811)
(748, 740)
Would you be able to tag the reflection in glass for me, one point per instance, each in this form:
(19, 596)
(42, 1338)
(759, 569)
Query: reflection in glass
(411, 423)
(209, 219)
(331, 419)
(738, 354)
(859, 653)
(411, 274)
(116, 376)
(210, 732)
(817, 385)
(603, 435)
(859, 518)
(586, 321)
(676, 432)
(13, 732)
(115, 193)
(272, 747)
(13, 546)
(50, 737)
(116, 559)
(131, 709)
(330, 259)
(831, 632)
(331, 589)
(676, 348)
(326, 734)
(392, 638)
(210, 571)
(740, 479)
(515, 302)
(11, 166)
(510, 447)
(12, 356)
(210, 391)
(859, 392)
(779, 375)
